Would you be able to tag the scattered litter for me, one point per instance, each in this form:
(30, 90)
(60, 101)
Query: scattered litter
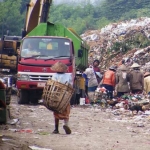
(42, 107)
(6, 139)
(13, 130)
(140, 125)
(25, 131)
(147, 113)
(38, 148)
(40, 101)
(43, 133)
(12, 121)
(21, 130)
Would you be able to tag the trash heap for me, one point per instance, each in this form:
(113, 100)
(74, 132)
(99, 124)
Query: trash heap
(128, 39)
(131, 102)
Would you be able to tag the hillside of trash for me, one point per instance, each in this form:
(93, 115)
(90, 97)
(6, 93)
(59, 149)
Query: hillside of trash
(128, 40)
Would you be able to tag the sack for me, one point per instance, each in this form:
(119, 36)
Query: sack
(87, 101)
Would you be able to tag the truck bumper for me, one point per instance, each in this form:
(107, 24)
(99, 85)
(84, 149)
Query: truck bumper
(30, 85)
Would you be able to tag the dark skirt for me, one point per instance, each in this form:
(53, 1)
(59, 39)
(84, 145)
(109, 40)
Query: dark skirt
(92, 89)
(64, 115)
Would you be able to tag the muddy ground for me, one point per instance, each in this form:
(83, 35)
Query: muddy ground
(92, 128)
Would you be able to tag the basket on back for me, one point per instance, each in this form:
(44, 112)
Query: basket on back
(56, 96)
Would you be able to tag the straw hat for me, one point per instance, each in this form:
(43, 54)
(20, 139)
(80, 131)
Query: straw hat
(135, 65)
(59, 67)
(123, 68)
(112, 68)
(146, 74)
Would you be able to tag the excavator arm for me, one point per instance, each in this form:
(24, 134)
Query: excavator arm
(37, 12)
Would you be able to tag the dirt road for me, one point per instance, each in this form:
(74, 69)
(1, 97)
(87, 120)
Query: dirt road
(92, 129)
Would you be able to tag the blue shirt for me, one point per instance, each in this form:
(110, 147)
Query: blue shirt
(86, 79)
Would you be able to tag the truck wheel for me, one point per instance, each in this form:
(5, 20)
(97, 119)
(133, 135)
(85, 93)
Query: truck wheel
(23, 97)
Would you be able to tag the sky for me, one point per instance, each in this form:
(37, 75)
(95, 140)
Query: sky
(75, 1)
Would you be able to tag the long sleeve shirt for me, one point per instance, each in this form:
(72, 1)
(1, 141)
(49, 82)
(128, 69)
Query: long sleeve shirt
(109, 78)
(147, 84)
(136, 79)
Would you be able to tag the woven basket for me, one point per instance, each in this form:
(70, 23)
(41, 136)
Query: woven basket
(56, 96)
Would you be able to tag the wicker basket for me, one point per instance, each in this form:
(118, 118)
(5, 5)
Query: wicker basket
(56, 96)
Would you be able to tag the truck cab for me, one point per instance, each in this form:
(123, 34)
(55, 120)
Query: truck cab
(37, 55)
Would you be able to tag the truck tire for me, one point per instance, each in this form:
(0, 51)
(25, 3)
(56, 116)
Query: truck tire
(23, 97)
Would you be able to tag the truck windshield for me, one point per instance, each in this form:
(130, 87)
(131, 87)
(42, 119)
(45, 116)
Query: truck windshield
(45, 47)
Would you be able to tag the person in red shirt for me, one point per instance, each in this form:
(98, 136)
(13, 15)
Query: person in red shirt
(97, 70)
(109, 81)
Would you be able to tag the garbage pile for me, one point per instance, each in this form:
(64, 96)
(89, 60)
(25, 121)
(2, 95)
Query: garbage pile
(128, 39)
(132, 102)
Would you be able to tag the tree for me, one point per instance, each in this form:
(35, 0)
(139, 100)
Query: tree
(11, 19)
(80, 16)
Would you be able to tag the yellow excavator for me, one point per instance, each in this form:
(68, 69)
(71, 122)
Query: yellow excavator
(37, 11)
(8, 52)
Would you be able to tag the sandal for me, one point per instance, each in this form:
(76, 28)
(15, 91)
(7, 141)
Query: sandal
(67, 129)
(55, 132)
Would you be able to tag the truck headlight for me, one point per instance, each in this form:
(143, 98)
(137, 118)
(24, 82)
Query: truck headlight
(24, 77)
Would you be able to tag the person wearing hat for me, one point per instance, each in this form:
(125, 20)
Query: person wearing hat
(147, 83)
(60, 75)
(122, 79)
(136, 79)
(108, 81)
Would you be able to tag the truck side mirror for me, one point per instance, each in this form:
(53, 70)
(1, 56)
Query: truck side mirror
(80, 53)
(18, 54)
(18, 51)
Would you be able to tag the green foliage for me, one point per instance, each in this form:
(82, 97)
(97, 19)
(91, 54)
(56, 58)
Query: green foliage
(81, 17)
(87, 16)
(102, 22)
(10, 18)
(125, 9)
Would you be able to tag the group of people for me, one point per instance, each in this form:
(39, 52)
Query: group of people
(118, 80)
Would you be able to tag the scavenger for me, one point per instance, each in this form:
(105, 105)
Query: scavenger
(63, 77)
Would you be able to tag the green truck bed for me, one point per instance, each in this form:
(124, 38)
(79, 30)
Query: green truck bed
(49, 29)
